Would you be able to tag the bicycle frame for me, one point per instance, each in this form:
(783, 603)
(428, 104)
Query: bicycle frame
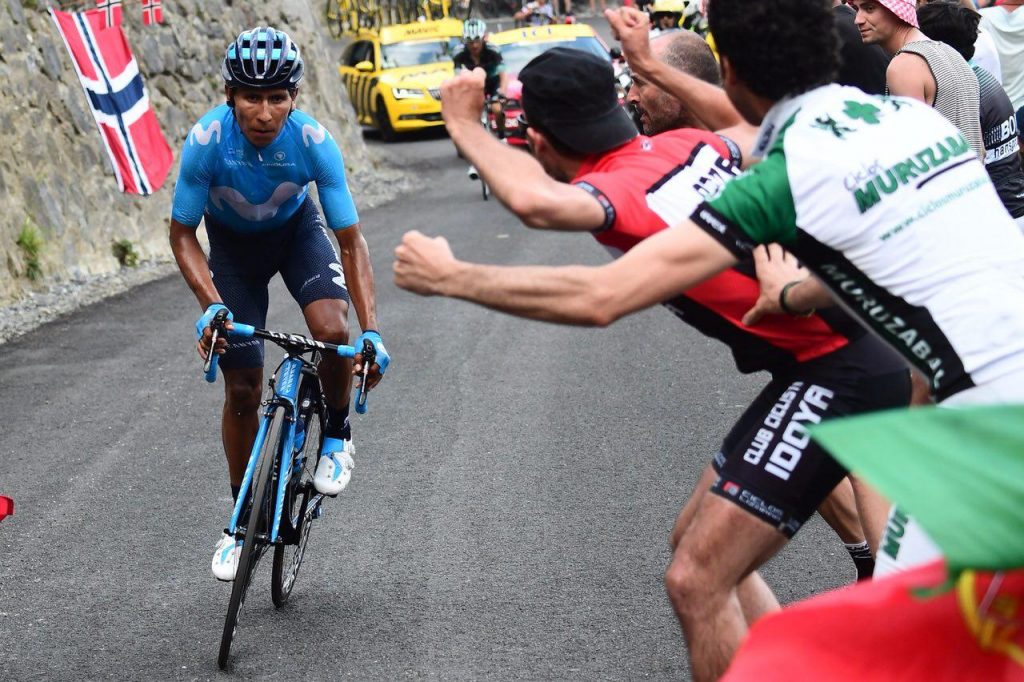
(285, 383)
(285, 386)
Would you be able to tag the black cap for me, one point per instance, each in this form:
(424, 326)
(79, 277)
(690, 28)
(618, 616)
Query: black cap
(571, 94)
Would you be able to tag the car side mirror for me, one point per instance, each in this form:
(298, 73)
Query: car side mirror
(616, 54)
(364, 66)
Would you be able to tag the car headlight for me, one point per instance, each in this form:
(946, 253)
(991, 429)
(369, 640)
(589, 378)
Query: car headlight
(407, 93)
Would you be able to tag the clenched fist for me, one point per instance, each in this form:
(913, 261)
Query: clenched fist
(423, 264)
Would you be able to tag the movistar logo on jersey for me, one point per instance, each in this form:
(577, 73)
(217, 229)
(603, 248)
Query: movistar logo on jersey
(204, 135)
(317, 135)
(915, 166)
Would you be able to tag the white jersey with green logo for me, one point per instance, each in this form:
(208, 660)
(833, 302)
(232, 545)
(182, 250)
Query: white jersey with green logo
(883, 199)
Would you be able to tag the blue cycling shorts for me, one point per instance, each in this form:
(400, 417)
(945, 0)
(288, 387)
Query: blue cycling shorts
(242, 265)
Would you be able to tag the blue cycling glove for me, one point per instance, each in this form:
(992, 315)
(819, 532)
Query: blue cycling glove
(383, 359)
(203, 322)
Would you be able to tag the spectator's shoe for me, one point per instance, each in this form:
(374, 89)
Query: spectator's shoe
(335, 466)
(472, 173)
(225, 558)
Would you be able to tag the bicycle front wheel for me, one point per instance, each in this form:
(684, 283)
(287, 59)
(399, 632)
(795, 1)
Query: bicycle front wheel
(257, 531)
(302, 503)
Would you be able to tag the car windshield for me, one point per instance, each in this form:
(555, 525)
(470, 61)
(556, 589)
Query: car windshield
(517, 55)
(414, 53)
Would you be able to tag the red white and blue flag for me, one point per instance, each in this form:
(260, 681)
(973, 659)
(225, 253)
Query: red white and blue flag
(152, 12)
(120, 103)
(111, 12)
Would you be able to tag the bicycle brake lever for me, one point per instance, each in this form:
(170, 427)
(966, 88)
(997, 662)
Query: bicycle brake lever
(210, 365)
(369, 357)
(216, 327)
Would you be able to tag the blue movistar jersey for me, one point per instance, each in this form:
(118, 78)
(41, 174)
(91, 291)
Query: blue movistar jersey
(254, 189)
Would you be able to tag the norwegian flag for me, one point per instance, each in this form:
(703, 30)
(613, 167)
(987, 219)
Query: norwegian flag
(111, 12)
(120, 103)
(152, 12)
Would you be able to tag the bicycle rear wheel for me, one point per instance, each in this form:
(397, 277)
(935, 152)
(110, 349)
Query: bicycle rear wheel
(302, 502)
(254, 542)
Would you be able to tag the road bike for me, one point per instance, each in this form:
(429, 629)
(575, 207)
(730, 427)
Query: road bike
(277, 502)
(490, 123)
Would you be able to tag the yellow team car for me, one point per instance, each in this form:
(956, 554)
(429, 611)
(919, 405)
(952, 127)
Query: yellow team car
(519, 45)
(394, 76)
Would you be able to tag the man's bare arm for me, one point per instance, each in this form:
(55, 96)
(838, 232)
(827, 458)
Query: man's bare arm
(907, 76)
(515, 178)
(809, 294)
(778, 270)
(655, 270)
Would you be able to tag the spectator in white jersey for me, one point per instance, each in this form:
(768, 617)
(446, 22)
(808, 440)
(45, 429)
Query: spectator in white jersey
(952, 23)
(923, 69)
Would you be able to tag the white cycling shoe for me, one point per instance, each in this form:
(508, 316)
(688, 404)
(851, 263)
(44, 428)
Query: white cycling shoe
(334, 470)
(225, 558)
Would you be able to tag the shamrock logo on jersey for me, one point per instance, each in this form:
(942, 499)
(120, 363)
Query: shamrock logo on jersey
(831, 125)
(861, 111)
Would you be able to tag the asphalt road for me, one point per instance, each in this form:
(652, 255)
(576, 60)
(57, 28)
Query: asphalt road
(507, 519)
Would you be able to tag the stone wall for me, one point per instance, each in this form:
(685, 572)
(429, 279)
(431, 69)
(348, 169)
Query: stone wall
(55, 179)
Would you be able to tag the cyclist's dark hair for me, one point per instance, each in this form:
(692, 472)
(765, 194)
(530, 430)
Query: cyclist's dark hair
(950, 23)
(777, 47)
(688, 52)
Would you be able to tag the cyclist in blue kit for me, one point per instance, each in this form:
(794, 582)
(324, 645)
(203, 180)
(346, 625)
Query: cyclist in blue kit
(245, 170)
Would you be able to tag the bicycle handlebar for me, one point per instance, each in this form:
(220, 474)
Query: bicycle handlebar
(295, 343)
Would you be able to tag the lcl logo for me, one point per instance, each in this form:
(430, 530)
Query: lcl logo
(6, 507)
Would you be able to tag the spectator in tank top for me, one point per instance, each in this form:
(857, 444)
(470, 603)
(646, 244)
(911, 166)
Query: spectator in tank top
(923, 69)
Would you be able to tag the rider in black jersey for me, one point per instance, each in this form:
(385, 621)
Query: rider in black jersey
(476, 53)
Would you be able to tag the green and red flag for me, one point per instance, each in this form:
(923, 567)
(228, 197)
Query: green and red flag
(960, 474)
(889, 630)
